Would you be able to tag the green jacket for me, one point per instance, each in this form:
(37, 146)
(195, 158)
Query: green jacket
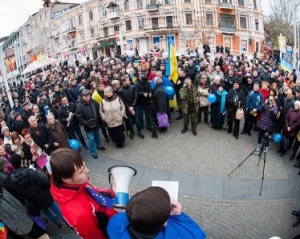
(189, 97)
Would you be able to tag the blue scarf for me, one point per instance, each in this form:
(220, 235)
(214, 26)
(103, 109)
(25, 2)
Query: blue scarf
(223, 100)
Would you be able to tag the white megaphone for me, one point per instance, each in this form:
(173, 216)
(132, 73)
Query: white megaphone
(121, 175)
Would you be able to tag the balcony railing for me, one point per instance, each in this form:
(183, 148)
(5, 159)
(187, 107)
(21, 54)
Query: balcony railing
(228, 29)
(72, 29)
(152, 7)
(113, 15)
(226, 5)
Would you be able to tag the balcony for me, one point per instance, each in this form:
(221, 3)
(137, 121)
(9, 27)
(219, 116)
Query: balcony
(230, 30)
(113, 15)
(226, 5)
(152, 7)
(71, 29)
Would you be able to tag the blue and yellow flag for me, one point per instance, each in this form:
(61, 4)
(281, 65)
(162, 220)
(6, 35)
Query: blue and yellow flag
(172, 69)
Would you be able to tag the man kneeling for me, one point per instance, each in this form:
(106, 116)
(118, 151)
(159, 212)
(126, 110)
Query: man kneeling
(150, 214)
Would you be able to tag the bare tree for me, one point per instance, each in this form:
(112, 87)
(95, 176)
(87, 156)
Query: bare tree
(284, 14)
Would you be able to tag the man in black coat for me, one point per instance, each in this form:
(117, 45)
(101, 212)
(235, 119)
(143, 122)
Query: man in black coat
(235, 99)
(41, 135)
(70, 123)
(128, 95)
(87, 114)
(191, 70)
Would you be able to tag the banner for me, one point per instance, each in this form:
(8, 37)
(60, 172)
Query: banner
(10, 60)
(244, 44)
(41, 57)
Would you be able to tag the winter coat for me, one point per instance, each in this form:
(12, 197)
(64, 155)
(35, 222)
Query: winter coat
(128, 95)
(216, 108)
(234, 103)
(112, 111)
(254, 101)
(191, 72)
(292, 120)
(141, 87)
(268, 118)
(63, 114)
(59, 133)
(45, 137)
(178, 227)
(204, 92)
(159, 99)
(73, 92)
(13, 214)
(33, 186)
(88, 111)
(189, 97)
(78, 208)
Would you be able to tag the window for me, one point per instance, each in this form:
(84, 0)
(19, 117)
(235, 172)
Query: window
(152, 2)
(209, 19)
(189, 19)
(116, 28)
(243, 22)
(256, 25)
(128, 25)
(79, 20)
(92, 32)
(81, 35)
(187, 1)
(227, 20)
(169, 21)
(139, 3)
(242, 3)
(105, 31)
(126, 5)
(257, 47)
(65, 41)
(168, 1)
(225, 1)
(207, 1)
(103, 11)
(154, 22)
(255, 4)
(141, 23)
(72, 22)
(91, 17)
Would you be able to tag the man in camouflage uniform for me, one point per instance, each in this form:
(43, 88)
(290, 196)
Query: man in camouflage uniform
(190, 105)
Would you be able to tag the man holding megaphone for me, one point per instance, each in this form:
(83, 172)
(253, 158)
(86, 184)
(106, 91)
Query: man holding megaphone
(85, 208)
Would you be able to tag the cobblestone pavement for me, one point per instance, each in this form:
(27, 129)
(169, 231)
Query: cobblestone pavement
(225, 207)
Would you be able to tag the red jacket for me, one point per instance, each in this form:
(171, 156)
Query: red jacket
(78, 208)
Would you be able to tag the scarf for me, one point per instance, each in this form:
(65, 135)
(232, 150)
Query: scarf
(223, 100)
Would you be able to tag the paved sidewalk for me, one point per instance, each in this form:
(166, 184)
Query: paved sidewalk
(225, 207)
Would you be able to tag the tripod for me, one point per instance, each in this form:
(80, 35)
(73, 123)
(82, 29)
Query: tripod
(261, 155)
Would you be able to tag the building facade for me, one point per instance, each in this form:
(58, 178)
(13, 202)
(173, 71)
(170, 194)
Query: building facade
(108, 27)
(12, 56)
(35, 34)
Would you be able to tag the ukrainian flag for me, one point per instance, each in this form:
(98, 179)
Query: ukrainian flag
(172, 68)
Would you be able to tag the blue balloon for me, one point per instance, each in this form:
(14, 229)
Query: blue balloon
(169, 91)
(74, 144)
(277, 138)
(211, 98)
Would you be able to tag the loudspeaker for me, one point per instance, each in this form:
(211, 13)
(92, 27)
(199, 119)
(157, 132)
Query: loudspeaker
(121, 176)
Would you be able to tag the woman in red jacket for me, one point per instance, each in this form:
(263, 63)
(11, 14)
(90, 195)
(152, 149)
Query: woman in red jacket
(71, 189)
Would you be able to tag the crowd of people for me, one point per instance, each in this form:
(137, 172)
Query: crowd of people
(122, 97)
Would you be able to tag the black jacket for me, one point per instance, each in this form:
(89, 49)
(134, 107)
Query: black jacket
(45, 137)
(86, 112)
(33, 186)
(159, 99)
(128, 95)
(63, 114)
(19, 126)
(43, 103)
(141, 87)
(191, 72)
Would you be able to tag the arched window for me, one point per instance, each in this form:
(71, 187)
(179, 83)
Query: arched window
(91, 17)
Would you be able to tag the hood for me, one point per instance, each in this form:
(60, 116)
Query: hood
(65, 193)
(21, 176)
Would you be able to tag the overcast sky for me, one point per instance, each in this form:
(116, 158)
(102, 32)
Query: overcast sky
(14, 13)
